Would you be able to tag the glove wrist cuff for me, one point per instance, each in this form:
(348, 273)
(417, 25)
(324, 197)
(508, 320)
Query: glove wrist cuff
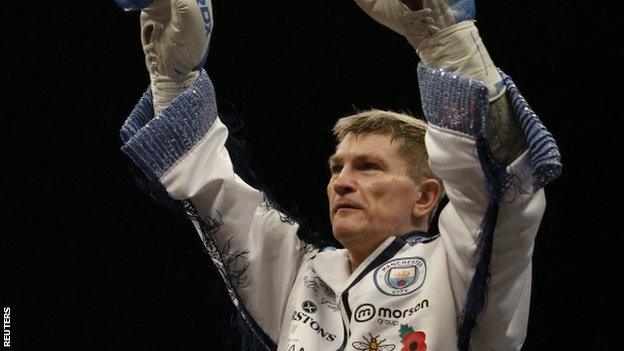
(165, 89)
(459, 49)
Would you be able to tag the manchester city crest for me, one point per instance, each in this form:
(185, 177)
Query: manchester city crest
(401, 276)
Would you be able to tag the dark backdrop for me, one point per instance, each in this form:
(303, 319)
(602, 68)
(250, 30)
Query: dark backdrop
(89, 262)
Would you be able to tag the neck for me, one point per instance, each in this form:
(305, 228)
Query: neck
(358, 255)
(355, 261)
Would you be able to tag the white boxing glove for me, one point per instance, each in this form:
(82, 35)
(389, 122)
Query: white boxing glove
(443, 34)
(418, 20)
(175, 35)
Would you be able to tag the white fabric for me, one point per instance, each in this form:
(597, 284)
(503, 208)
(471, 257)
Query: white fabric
(205, 175)
(284, 277)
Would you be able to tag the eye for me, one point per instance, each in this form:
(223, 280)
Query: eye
(370, 166)
(335, 168)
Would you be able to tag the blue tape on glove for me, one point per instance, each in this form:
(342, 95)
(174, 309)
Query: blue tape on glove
(133, 5)
(463, 10)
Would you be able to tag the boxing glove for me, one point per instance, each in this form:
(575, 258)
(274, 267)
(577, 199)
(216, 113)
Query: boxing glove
(443, 33)
(175, 35)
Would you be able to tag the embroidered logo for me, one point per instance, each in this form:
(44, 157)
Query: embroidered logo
(385, 315)
(412, 340)
(371, 344)
(364, 313)
(321, 290)
(309, 306)
(401, 276)
(303, 318)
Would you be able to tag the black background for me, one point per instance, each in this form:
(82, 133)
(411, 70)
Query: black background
(89, 262)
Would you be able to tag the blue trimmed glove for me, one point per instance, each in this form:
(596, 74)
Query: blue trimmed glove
(443, 33)
(418, 20)
(175, 35)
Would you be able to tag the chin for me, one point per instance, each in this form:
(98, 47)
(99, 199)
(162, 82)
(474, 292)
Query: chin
(346, 233)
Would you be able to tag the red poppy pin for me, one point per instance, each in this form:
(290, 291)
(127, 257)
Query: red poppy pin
(412, 340)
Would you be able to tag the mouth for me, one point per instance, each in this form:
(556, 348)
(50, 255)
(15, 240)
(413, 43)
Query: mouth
(345, 207)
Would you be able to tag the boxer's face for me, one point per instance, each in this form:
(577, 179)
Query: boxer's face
(371, 195)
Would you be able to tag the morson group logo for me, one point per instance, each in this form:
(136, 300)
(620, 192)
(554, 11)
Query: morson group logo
(386, 316)
(365, 312)
(401, 276)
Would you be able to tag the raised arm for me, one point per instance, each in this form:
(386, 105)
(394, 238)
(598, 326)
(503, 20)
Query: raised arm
(493, 155)
(181, 149)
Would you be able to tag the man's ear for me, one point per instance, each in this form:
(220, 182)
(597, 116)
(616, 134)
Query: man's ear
(429, 191)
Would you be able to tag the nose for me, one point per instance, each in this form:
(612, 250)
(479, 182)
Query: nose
(344, 183)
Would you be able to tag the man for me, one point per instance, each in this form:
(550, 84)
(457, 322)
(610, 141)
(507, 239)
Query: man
(393, 286)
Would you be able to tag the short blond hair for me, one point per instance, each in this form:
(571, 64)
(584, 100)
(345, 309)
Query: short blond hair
(408, 130)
